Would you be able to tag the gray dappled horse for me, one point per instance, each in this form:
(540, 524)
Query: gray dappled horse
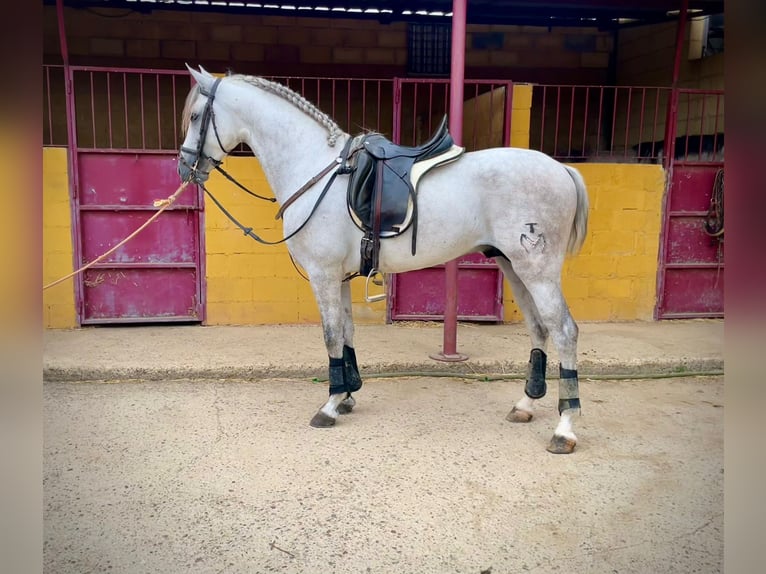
(519, 206)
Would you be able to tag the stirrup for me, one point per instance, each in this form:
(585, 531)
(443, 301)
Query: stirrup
(378, 297)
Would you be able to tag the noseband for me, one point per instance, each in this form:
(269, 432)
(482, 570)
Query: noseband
(208, 119)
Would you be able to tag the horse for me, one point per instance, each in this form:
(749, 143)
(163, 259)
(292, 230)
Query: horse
(518, 206)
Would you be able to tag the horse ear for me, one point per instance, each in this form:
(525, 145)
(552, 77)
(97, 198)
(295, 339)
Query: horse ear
(204, 71)
(202, 78)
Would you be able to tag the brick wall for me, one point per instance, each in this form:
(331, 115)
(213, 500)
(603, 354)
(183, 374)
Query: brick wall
(281, 45)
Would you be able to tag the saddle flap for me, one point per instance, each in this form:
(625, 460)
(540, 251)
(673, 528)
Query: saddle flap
(361, 185)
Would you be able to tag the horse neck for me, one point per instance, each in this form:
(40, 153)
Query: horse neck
(290, 145)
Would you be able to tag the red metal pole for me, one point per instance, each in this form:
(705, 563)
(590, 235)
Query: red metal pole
(457, 79)
(670, 123)
(62, 35)
(669, 153)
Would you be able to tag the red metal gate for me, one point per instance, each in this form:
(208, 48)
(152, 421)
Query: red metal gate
(419, 105)
(124, 141)
(691, 278)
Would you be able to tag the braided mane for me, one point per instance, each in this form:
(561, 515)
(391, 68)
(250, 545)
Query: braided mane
(298, 101)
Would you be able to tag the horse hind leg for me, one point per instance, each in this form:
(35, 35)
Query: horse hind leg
(535, 386)
(555, 314)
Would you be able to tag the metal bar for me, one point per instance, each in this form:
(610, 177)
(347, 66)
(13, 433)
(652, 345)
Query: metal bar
(146, 265)
(123, 69)
(508, 114)
(123, 207)
(332, 97)
(380, 91)
(556, 127)
(109, 108)
(614, 117)
(72, 161)
(693, 315)
(414, 114)
(475, 114)
(457, 77)
(641, 121)
(686, 127)
(175, 114)
(125, 101)
(159, 119)
(141, 101)
(715, 126)
(92, 110)
(670, 145)
(127, 320)
(701, 131)
(105, 150)
(571, 123)
(430, 106)
(397, 113)
(654, 125)
(50, 104)
(491, 111)
(542, 120)
(446, 103)
(710, 265)
(585, 123)
(598, 123)
(627, 123)
(348, 106)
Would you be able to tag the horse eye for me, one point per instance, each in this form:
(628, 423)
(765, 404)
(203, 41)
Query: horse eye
(194, 116)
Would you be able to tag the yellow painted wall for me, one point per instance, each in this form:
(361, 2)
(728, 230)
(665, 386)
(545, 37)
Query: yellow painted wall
(614, 277)
(58, 301)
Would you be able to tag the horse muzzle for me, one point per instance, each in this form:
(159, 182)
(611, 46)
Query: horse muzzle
(190, 171)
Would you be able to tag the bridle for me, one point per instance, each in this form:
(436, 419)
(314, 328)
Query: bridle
(208, 119)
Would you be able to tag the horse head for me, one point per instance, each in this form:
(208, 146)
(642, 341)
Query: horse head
(209, 135)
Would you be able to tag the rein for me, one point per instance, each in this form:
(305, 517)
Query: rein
(310, 183)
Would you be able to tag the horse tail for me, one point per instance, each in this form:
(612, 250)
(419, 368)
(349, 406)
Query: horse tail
(580, 223)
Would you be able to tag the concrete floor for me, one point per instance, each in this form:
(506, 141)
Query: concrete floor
(425, 476)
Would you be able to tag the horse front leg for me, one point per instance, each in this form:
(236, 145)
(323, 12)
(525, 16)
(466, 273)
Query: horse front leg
(351, 369)
(343, 372)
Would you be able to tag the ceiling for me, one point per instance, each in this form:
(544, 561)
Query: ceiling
(600, 13)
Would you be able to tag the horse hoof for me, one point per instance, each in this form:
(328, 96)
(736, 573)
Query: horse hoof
(518, 416)
(561, 445)
(322, 421)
